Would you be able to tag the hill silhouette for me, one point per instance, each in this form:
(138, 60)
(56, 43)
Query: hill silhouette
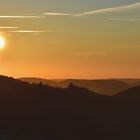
(34, 80)
(40, 112)
(131, 93)
(131, 82)
(104, 87)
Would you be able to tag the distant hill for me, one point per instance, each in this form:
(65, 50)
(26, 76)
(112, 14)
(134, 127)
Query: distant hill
(104, 87)
(34, 80)
(131, 82)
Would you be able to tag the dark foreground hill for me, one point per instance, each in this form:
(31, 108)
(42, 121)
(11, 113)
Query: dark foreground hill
(40, 112)
(131, 93)
(104, 87)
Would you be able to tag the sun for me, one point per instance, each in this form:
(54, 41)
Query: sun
(2, 42)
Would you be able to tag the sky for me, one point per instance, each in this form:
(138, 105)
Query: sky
(59, 39)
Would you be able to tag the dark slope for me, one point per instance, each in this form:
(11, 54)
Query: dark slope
(33, 111)
(133, 92)
(104, 87)
(36, 112)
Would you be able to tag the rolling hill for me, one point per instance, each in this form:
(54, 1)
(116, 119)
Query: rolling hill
(104, 87)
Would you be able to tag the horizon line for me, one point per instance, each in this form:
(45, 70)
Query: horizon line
(76, 78)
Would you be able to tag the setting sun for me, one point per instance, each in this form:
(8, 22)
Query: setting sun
(2, 42)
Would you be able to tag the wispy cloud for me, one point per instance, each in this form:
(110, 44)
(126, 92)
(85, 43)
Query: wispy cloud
(92, 53)
(8, 27)
(57, 14)
(110, 9)
(35, 31)
(21, 17)
(124, 19)
(92, 12)
(26, 31)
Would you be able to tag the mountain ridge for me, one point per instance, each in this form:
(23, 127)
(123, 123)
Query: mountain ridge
(102, 86)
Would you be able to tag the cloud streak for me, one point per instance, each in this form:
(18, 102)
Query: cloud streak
(93, 12)
(110, 9)
(57, 14)
(26, 31)
(21, 17)
(92, 53)
(97, 11)
(8, 27)
(33, 31)
(124, 19)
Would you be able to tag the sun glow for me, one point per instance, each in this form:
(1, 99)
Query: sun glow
(2, 42)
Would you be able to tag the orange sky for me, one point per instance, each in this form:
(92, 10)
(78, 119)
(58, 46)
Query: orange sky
(59, 40)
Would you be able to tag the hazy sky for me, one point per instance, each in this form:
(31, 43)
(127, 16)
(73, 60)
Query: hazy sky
(70, 38)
